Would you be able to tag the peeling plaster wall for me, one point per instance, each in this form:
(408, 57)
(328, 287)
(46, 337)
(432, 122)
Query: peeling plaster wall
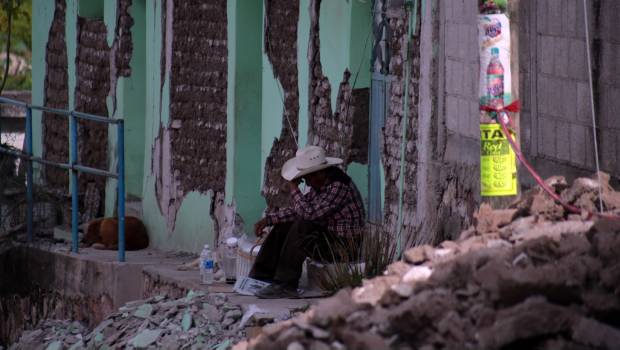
(431, 195)
(93, 85)
(330, 41)
(412, 150)
(176, 209)
(56, 128)
(333, 132)
(124, 46)
(428, 208)
(43, 12)
(189, 151)
(280, 41)
(84, 84)
(393, 129)
(435, 193)
(360, 99)
(198, 89)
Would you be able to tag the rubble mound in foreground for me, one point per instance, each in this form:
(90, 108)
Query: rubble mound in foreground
(529, 277)
(197, 321)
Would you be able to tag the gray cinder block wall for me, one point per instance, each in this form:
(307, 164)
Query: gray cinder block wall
(556, 126)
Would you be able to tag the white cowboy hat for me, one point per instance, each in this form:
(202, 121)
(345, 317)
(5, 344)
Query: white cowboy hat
(307, 160)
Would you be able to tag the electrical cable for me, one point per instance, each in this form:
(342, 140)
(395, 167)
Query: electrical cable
(591, 84)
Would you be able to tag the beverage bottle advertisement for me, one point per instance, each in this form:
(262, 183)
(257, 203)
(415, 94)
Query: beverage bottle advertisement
(495, 76)
(498, 170)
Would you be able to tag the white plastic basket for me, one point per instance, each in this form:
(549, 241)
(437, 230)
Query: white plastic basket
(246, 254)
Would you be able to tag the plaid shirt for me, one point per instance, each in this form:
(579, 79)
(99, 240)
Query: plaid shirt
(336, 206)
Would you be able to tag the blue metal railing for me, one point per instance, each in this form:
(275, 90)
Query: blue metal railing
(73, 166)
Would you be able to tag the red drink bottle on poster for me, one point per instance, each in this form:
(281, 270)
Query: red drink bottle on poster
(495, 81)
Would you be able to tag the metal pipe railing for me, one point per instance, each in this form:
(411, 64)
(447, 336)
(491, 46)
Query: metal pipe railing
(73, 167)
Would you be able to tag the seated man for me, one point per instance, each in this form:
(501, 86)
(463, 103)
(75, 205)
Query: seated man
(330, 211)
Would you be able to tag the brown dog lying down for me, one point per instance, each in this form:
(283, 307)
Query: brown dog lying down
(103, 234)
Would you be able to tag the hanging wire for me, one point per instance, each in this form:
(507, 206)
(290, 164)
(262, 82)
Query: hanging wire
(359, 68)
(594, 127)
(290, 125)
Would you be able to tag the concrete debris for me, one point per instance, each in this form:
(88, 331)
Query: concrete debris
(529, 277)
(197, 321)
(52, 334)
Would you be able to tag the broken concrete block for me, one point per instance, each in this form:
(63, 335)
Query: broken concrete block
(145, 338)
(489, 220)
(371, 293)
(398, 268)
(417, 274)
(417, 255)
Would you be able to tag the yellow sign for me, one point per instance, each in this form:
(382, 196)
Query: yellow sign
(498, 168)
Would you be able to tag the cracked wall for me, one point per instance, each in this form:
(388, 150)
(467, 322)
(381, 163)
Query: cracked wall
(189, 151)
(332, 131)
(360, 99)
(393, 128)
(439, 193)
(93, 85)
(198, 83)
(97, 68)
(123, 42)
(280, 39)
(56, 95)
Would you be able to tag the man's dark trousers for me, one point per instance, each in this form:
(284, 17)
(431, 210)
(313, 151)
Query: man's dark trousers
(282, 255)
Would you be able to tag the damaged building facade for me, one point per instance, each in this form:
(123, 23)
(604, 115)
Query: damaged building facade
(217, 94)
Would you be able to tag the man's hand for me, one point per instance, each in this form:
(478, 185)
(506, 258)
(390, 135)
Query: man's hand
(260, 226)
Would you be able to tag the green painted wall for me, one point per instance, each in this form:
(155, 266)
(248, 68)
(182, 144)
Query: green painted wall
(344, 34)
(254, 111)
(92, 8)
(71, 39)
(344, 29)
(134, 102)
(231, 11)
(303, 37)
(247, 85)
(111, 194)
(194, 226)
(271, 108)
(334, 25)
(153, 219)
(130, 105)
(42, 17)
(361, 42)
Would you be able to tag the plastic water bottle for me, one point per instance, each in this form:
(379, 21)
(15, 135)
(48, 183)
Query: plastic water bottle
(495, 80)
(206, 265)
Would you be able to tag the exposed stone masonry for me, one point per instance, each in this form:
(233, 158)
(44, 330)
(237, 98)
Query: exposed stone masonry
(281, 18)
(332, 131)
(198, 90)
(56, 95)
(392, 132)
(93, 72)
(359, 145)
(124, 44)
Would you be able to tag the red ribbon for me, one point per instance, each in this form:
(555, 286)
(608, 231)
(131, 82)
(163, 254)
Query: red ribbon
(513, 107)
(505, 123)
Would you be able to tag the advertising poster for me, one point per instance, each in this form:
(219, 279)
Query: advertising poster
(498, 170)
(495, 76)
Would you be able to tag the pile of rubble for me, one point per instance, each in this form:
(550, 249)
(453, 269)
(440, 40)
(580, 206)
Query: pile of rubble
(533, 276)
(197, 321)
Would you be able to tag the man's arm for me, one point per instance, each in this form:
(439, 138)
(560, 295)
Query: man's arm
(280, 215)
(322, 204)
